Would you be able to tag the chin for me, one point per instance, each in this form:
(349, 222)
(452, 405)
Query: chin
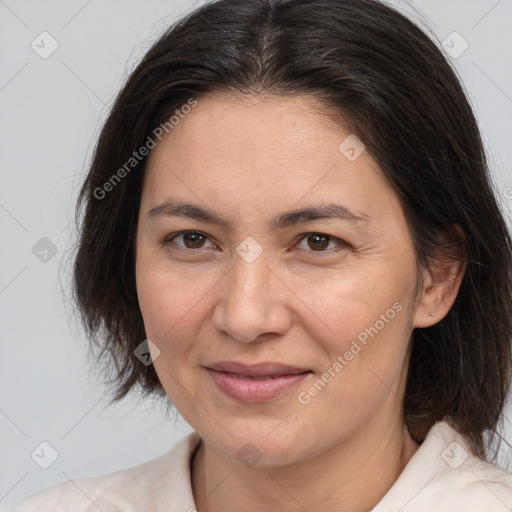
(251, 446)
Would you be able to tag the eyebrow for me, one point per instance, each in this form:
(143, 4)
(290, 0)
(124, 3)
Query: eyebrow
(171, 208)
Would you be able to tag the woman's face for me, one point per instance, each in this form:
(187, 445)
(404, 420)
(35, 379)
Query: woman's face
(328, 294)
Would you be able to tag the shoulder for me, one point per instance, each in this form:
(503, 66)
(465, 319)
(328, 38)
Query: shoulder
(444, 475)
(475, 485)
(143, 487)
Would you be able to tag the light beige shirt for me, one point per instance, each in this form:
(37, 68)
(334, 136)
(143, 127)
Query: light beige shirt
(442, 476)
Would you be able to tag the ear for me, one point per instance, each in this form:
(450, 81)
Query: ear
(441, 281)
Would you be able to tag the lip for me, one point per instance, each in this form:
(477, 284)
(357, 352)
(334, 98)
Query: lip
(256, 370)
(255, 383)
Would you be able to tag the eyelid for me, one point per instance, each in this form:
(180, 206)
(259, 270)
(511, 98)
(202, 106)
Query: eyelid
(343, 245)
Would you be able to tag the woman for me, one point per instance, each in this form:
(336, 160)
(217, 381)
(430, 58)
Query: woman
(289, 229)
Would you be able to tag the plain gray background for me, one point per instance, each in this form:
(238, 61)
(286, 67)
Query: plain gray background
(52, 109)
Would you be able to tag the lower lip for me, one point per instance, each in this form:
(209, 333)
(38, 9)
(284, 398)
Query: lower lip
(248, 390)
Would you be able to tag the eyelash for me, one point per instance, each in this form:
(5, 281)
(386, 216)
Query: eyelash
(343, 245)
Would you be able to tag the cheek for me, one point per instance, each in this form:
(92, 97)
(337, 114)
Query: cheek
(371, 350)
(170, 307)
(343, 304)
(359, 321)
(172, 303)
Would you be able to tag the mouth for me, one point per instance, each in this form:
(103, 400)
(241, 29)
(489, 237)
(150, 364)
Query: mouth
(262, 377)
(265, 369)
(255, 383)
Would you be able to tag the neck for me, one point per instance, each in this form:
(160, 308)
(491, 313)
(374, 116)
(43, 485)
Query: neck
(352, 476)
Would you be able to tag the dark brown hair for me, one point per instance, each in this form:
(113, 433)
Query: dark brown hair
(390, 84)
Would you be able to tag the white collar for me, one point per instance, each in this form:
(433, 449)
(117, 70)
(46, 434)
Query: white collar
(443, 474)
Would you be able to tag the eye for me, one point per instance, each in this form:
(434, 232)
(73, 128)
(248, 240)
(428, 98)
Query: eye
(192, 240)
(319, 242)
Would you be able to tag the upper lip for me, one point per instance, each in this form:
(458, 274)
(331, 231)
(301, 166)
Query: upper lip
(256, 370)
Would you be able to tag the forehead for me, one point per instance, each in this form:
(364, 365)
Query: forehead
(276, 126)
(247, 149)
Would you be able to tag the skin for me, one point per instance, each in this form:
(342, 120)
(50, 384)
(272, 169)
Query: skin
(249, 159)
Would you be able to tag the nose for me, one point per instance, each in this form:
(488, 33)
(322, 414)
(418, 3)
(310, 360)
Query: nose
(252, 301)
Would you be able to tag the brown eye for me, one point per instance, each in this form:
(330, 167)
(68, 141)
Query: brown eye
(191, 240)
(319, 242)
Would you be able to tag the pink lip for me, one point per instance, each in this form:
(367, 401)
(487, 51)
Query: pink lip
(255, 383)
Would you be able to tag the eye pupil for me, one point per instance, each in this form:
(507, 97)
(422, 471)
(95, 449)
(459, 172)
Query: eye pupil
(195, 242)
(317, 238)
